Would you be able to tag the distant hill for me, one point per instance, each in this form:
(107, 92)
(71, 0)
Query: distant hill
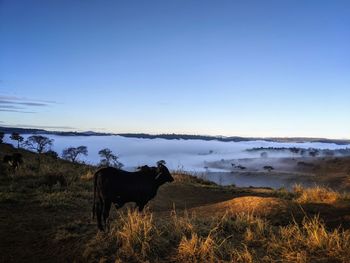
(175, 136)
(42, 131)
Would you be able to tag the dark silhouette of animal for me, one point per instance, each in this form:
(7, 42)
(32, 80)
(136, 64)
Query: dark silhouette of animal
(14, 160)
(112, 185)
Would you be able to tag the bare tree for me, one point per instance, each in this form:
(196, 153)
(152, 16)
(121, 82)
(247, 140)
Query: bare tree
(15, 136)
(72, 153)
(38, 143)
(109, 159)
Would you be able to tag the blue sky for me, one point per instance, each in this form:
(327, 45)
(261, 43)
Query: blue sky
(248, 68)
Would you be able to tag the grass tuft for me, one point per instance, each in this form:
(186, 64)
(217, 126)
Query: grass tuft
(316, 194)
(309, 242)
(196, 249)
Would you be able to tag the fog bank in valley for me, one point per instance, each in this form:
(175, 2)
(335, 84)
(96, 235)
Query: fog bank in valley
(189, 155)
(222, 162)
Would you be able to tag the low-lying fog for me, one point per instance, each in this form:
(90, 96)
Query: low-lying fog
(222, 162)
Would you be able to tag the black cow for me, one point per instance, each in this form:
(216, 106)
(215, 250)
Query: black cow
(117, 186)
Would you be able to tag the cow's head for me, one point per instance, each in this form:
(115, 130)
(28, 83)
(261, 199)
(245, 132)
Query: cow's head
(163, 174)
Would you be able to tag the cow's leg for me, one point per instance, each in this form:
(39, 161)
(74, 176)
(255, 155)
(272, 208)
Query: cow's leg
(106, 207)
(99, 215)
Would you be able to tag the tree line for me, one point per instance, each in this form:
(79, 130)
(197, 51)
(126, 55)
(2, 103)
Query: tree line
(312, 152)
(42, 145)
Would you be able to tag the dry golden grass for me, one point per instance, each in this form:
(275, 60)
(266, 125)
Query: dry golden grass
(316, 194)
(133, 237)
(196, 249)
(309, 242)
(87, 176)
(182, 225)
(137, 237)
(242, 255)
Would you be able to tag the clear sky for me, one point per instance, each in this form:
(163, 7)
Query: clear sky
(248, 68)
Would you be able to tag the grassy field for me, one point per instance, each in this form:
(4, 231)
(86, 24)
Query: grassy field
(45, 216)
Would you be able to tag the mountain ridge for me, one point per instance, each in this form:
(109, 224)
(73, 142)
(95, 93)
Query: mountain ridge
(174, 136)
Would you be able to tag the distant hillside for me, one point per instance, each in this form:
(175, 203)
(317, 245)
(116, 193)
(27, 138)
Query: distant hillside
(231, 138)
(42, 131)
(175, 136)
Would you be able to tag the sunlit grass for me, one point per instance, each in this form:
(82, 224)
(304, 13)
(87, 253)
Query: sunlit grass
(309, 242)
(231, 238)
(316, 194)
(137, 236)
(196, 249)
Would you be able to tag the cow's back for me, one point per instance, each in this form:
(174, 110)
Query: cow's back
(115, 183)
(112, 182)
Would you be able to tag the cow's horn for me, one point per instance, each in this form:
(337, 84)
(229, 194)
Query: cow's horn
(158, 175)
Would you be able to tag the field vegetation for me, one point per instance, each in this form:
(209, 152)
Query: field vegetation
(45, 216)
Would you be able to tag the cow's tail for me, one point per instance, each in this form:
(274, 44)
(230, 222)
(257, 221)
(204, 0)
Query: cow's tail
(94, 203)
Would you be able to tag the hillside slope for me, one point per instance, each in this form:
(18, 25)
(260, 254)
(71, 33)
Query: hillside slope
(45, 218)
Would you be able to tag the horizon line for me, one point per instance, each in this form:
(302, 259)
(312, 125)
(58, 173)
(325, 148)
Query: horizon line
(162, 134)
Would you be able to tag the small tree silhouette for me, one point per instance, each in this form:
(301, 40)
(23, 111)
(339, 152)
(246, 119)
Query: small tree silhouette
(15, 136)
(38, 143)
(72, 153)
(109, 159)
